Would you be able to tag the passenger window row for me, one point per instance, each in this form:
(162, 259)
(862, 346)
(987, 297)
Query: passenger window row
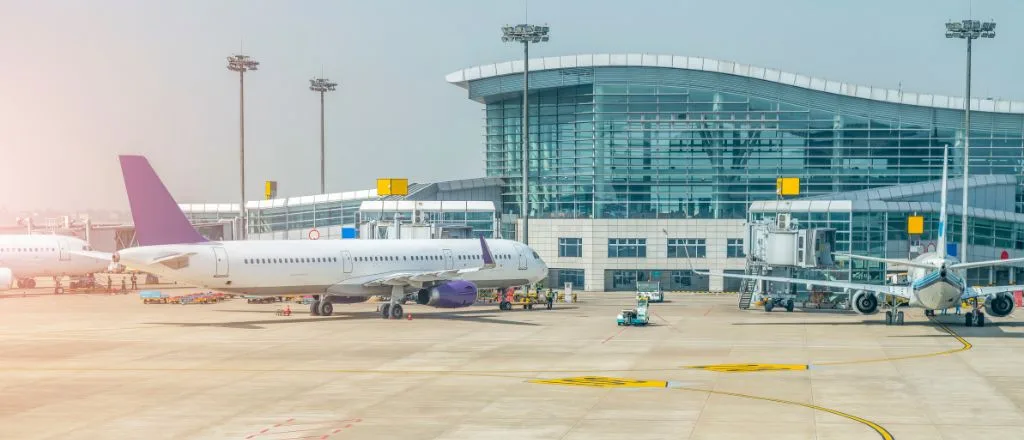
(290, 260)
(28, 250)
(427, 258)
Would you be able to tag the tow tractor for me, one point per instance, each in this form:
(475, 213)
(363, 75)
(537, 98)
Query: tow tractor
(787, 300)
(637, 316)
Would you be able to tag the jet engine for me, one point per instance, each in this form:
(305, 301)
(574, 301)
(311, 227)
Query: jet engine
(449, 295)
(999, 305)
(865, 302)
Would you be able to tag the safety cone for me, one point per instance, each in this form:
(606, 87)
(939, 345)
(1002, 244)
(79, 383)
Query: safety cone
(409, 316)
(287, 310)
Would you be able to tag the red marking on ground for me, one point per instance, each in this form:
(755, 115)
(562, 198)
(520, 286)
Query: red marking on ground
(265, 430)
(709, 311)
(613, 336)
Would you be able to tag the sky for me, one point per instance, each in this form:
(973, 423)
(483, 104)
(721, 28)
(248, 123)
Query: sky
(81, 82)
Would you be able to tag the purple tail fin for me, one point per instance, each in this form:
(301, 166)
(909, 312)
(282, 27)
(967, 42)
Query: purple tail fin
(158, 219)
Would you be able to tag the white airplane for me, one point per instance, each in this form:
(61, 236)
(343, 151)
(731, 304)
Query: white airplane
(24, 257)
(438, 273)
(933, 283)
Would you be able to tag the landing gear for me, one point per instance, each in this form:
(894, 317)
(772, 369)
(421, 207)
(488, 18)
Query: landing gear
(769, 305)
(314, 307)
(974, 318)
(393, 309)
(929, 312)
(893, 317)
(504, 305)
(325, 307)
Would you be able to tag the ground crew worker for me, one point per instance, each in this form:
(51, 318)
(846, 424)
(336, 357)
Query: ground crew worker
(551, 297)
(110, 284)
(124, 288)
(135, 282)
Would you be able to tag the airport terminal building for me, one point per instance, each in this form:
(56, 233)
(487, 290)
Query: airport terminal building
(639, 161)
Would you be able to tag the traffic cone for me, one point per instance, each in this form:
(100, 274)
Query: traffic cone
(287, 310)
(409, 316)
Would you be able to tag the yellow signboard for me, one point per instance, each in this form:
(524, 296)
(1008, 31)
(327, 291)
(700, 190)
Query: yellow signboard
(603, 382)
(915, 225)
(787, 186)
(392, 187)
(269, 189)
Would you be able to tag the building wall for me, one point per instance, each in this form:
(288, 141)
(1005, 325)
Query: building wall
(544, 235)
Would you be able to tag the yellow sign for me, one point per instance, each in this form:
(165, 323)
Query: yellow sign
(603, 382)
(392, 187)
(269, 189)
(749, 368)
(915, 225)
(787, 186)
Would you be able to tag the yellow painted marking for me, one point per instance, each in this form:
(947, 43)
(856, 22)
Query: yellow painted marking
(964, 346)
(603, 382)
(874, 426)
(747, 368)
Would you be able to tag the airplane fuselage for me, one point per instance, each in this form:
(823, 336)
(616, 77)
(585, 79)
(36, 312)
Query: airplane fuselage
(935, 289)
(312, 266)
(28, 256)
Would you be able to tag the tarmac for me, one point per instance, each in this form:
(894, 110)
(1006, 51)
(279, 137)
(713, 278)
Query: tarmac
(101, 366)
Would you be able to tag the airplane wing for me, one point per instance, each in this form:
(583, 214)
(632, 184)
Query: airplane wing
(986, 263)
(900, 291)
(96, 255)
(974, 292)
(414, 278)
(885, 260)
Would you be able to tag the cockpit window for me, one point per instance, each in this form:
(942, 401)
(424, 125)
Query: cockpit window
(535, 256)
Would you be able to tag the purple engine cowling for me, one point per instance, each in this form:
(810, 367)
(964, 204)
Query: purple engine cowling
(450, 295)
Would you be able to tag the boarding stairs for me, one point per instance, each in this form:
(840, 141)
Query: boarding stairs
(749, 287)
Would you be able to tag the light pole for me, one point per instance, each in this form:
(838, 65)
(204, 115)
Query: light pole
(968, 30)
(526, 34)
(322, 85)
(242, 64)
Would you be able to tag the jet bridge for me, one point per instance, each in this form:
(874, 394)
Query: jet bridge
(779, 247)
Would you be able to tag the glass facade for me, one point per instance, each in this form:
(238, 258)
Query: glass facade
(627, 248)
(562, 276)
(687, 248)
(671, 280)
(570, 247)
(656, 142)
(734, 248)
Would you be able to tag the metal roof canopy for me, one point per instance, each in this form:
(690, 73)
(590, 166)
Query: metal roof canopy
(462, 78)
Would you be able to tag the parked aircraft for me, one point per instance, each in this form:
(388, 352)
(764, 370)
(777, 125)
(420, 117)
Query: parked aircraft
(24, 257)
(933, 282)
(439, 273)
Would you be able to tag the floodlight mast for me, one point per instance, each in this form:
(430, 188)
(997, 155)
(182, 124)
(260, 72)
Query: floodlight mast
(526, 34)
(968, 30)
(322, 85)
(242, 64)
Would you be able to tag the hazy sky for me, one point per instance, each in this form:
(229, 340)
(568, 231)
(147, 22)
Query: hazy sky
(83, 81)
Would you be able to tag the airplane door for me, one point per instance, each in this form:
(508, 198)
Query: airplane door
(523, 262)
(220, 257)
(346, 261)
(62, 249)
(449, 263)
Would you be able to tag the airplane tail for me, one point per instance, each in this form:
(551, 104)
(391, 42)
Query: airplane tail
(940, 247)
(158, 219)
